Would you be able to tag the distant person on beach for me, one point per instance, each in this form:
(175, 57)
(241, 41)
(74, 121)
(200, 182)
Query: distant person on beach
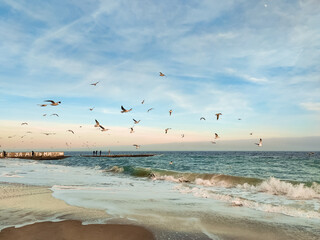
(93, 153)
(4, 154)
(109, 151)
(100, 153)
(32, 153)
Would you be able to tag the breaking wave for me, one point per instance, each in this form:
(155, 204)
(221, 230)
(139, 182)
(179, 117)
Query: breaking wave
(274, 186)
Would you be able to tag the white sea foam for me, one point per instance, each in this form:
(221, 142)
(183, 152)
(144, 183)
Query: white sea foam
(275, 186)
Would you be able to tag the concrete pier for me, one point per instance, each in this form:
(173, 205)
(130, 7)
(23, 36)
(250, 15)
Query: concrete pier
(35, 155)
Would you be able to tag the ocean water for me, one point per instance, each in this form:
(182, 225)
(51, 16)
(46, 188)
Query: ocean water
(281, 187)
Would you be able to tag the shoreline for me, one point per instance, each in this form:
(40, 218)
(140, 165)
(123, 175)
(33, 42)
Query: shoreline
(27, 205)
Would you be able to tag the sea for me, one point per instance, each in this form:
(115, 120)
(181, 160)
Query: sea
(193, 187)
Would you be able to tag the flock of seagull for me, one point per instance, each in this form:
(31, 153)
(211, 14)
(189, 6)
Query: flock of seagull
(124, 110)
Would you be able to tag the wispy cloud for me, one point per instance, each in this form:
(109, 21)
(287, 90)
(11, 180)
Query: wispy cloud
(311, 106)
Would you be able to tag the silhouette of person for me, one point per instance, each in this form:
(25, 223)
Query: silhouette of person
(32, 153)
(100, 153)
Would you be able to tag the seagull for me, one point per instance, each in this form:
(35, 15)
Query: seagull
(136, 145)
(11, 136)
(94, 84)
(260, 143)
(125, 110)
(150, 109)
(44, 115)
(43, 105)
(182, 135)
(24, 123)
(48, 134)
(218, 114)
(166, 130)
(91, 109)
(142, 101)
(239, 119)
(54, 114)
(251, 133)
(131, 130)
(53, 103)
(161, 74)
(216, 136)
(170, 112)
(70, 131)
(80, 127)
(136, 122)
(202, 118)
(103, 129)
(97, 123)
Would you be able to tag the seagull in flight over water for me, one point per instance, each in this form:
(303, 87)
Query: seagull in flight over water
(70, 131)
(161, 74)
(150, 109)
(170, 112)
(131, 130)
(54, 114)
(166, 130)
(202, 118)
(103, 129)
(216, 136)
(97, 123)
(24, 123)
(125, 110)
(218, 114)
(260, 143)
(94, 84)
(136, 122)
(53, 103)
(136, 145)
(142, 101)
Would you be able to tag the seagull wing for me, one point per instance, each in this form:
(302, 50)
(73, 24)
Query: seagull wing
(123, 108)
(49, 101)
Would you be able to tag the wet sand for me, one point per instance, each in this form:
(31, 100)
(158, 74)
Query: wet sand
(74, 230)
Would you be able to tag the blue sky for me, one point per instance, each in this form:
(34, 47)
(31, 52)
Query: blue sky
(254, 60)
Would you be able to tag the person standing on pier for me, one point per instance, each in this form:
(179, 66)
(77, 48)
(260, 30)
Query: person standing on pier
(100, 153)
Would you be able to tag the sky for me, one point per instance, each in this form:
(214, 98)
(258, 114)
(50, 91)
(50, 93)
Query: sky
(253, 60)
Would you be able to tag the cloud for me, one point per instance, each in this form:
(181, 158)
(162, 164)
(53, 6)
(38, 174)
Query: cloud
(311, 106)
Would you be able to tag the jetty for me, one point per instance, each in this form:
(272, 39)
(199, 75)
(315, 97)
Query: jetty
(34, 155)
(120, 155)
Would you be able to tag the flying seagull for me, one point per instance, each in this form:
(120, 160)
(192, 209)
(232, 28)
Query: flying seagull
(142, 101)
(48, 134)
(125, 110)
(136, 122)
(131, 130)
(136, 145)
(162, 75)
(94, 84)
(218, 114)
(44, 115)
(54, 114)
(91, 109)
(170, 112)
(260, 143)
(216, 136)
(182, 135)
(97, 123)
(103, 129)
(166, 130)
(24, 123)
(70, 131)
(202, 118)
(53, 103)
(251, 133)
(150, 109)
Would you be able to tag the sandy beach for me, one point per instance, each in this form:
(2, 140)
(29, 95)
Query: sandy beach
(27, 207)
(30, 212)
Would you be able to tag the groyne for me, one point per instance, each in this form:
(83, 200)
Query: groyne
(120, 155)
(33, 155)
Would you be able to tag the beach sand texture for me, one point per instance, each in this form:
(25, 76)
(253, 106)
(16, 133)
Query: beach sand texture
(74, 230)
(30, 212)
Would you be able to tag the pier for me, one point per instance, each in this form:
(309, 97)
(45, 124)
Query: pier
(34, 155)
(120, 155)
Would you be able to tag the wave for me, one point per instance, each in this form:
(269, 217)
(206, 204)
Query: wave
(273, 186)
